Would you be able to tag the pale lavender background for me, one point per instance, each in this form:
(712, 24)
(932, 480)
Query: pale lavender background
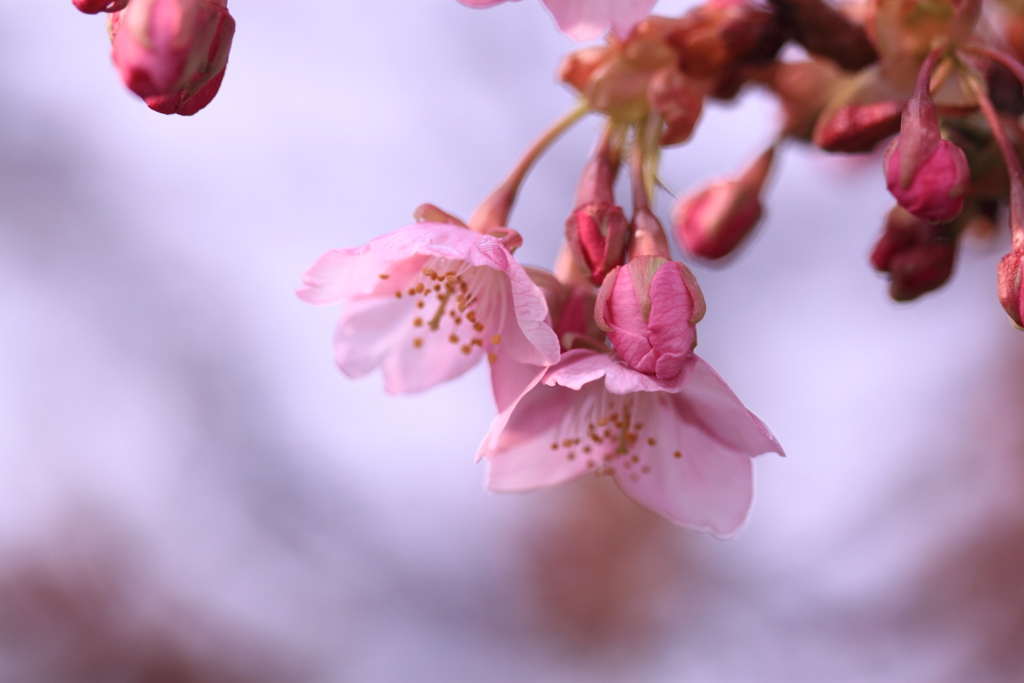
(188, 487)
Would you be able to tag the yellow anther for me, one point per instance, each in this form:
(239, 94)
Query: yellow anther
(417, 322)
(383, 276)
(417, 342)
(496, 339)
(677, 455)
(453, 338)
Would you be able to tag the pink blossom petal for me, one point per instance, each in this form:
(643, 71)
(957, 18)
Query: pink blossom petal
(519, 446)
(590, 19)
(698, 462)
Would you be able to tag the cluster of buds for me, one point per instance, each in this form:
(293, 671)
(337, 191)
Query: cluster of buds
(171, 53)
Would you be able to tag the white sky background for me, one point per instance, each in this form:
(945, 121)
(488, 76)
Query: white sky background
(166, 400)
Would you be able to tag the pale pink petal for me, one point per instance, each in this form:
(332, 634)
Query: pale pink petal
(531, 445)
(578, 367)
(481, 3)
(591, 19)
(686, 474)
(510, 379)
(368, 331)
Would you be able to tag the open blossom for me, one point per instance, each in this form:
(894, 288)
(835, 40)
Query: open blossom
(680, 448)
(173, 53)
(589, 19)
(424, 303)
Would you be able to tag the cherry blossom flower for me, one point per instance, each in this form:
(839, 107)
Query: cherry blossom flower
(424, 303)
(589, 19)
(680, 448)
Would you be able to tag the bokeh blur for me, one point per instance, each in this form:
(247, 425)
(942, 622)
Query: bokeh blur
(190, 492)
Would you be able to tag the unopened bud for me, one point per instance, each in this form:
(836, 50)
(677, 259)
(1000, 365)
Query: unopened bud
(1010, 270)
(597, 234)
(856, 128)
(919, 256)
(713, 222)
(649, 308)
(934, 191)
(173, 53)
(926, 174)
(679, 102)
(97, 6)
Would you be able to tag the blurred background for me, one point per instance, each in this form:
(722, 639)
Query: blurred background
(191, 492)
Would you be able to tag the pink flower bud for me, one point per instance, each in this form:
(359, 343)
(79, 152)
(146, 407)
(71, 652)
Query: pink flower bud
(173, 53)
(597, 235)
(934, 191)
(858, 128)
(713, 222)
(649, 309)
(679, 101)
(97, 6)
(919, 256)
(1010, 269)
(926, 174)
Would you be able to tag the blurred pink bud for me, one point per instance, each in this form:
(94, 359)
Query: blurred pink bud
(858, 128)
(926, 174)
(712, 222)
(588, 19)
(678, 100)
(97, 6)
(173, 53)
(1010, 269)
(650, 308)
(918, 255)
(934, 191)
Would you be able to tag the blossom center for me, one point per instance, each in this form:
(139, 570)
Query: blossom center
(613, 434)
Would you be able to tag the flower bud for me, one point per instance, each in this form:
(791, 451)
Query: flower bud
(649, 308)
(679, 102)
(918, 255)
(856, 128)
(97, 6)
(712, 222)
(1010, 269)
(926, 174)
(597, 234)
(173, 53)
(597, 230)
(934, 191)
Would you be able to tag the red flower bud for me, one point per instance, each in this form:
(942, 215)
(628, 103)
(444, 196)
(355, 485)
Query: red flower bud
(679, 102)
(858, 127)
(1010, 269)
(597, 234)
(714, 221)
(173, 53)
(926, 174)
(97, 6)
(918, 255)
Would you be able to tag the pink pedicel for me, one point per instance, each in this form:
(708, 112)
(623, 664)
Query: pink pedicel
(682, 449)
(589, 19)
(715, 220)
(1010, 269)
(926, 174)
(97, 6)
(173, 53)
(649, 308)
(426, 302)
